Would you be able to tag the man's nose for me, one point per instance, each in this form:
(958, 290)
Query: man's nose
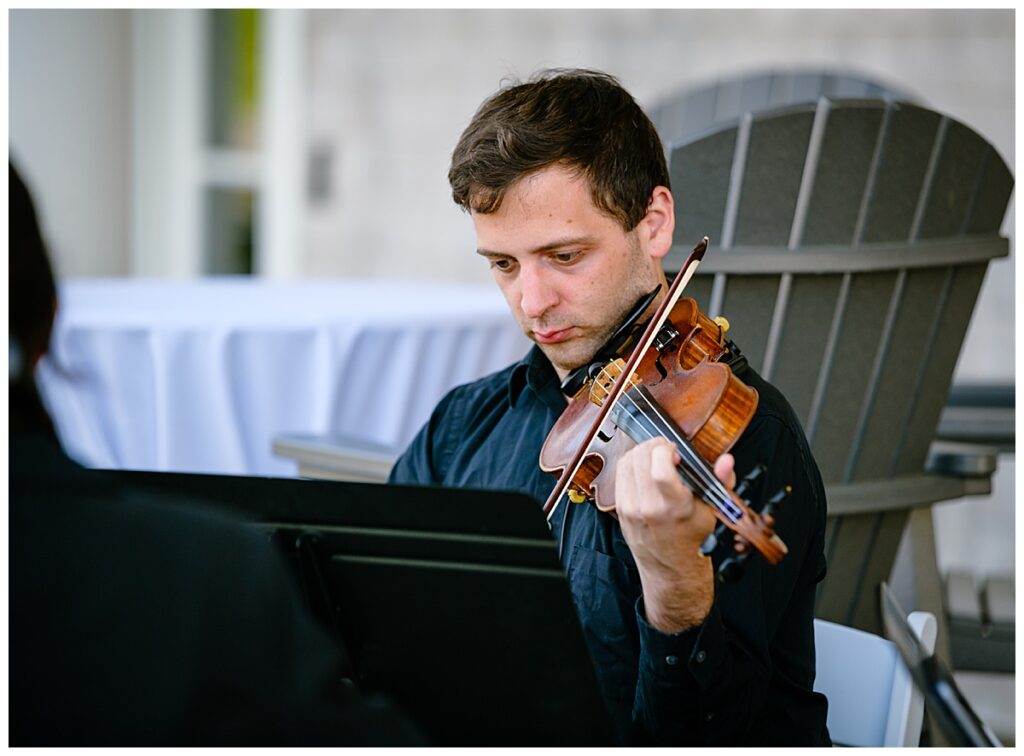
(537, 295)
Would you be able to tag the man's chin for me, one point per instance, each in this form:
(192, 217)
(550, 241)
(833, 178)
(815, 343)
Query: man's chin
(566, 357)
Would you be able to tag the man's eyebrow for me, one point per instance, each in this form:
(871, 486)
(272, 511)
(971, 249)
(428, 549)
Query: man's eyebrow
(567, 241)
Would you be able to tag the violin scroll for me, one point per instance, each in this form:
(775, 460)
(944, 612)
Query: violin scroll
(732, 566)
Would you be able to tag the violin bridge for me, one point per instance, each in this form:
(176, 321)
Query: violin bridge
(605, 379)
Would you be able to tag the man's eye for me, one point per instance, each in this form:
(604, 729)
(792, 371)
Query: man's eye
(502, 265)
(566, 257)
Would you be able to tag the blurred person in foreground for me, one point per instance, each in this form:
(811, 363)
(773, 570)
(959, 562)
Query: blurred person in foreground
(138, 619)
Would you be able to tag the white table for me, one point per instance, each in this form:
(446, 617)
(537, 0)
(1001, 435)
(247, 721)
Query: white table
(201, 375)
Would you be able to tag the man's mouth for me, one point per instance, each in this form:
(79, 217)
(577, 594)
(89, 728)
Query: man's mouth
(553, 337)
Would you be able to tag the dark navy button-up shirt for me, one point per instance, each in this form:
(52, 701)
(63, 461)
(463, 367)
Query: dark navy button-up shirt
(746, 674)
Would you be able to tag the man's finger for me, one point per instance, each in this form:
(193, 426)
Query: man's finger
(725, 470)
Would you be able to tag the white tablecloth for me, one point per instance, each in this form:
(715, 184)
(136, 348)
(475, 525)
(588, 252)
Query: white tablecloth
(200, 376)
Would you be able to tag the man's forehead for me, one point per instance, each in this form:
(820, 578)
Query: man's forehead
(542, 213)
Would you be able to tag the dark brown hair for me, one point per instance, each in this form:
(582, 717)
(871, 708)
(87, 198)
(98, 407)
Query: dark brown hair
(579, 118)
(32, 299)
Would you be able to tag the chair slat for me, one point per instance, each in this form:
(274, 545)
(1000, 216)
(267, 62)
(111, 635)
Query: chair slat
(755, 92)
(701, 188)
(748, 306)
(803, 340)
(860, 439)
(849, 538)
(809, 174)
(843, 86)
(931, 399)
(775, 163)
(828, 356)
(865, 610)
(698, 115)
(955, 182)
(843, 170)
(841, 596)
(854, 358)
(994, 188)
(897, 380)
(902, 167)
(783, 91)
(727, 100)
(808, 87)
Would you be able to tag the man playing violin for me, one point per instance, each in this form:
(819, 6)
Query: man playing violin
(566, 183)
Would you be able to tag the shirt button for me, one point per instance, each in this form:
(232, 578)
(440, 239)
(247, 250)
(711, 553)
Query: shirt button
(671, 660)
(700, 657)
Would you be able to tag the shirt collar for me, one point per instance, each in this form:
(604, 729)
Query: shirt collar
(533, 371)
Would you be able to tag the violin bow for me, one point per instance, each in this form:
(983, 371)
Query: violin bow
(675, 291)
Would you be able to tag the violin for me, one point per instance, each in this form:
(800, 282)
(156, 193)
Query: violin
(675, 384)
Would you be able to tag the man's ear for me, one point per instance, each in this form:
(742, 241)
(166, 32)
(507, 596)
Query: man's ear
(659, 224)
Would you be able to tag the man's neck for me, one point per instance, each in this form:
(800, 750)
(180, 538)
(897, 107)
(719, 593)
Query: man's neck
(628, 324)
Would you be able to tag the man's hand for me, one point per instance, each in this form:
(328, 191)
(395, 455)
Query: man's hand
(665, 525)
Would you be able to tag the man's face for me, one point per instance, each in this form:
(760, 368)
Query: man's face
(569, 272)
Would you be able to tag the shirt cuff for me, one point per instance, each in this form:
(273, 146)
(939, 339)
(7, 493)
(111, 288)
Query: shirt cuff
(692, 653)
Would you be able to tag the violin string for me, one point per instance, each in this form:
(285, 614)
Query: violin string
(705, 479)
(686, 473)
(702, 469)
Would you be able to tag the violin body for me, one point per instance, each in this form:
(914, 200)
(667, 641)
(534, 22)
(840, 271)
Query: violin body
(679, 390)
(709, 404)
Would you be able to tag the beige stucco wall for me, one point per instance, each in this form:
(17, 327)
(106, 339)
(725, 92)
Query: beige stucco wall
(391, 91)
(68, 120)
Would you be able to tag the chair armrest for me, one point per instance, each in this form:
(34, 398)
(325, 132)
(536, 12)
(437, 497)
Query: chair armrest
(952, 471)
(335, 458)
(960, 459)
(982, 414)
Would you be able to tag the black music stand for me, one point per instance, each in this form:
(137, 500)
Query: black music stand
(943, 699)
(450, 602)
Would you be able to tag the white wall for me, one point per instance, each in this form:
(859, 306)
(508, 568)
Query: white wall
(69, 136)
